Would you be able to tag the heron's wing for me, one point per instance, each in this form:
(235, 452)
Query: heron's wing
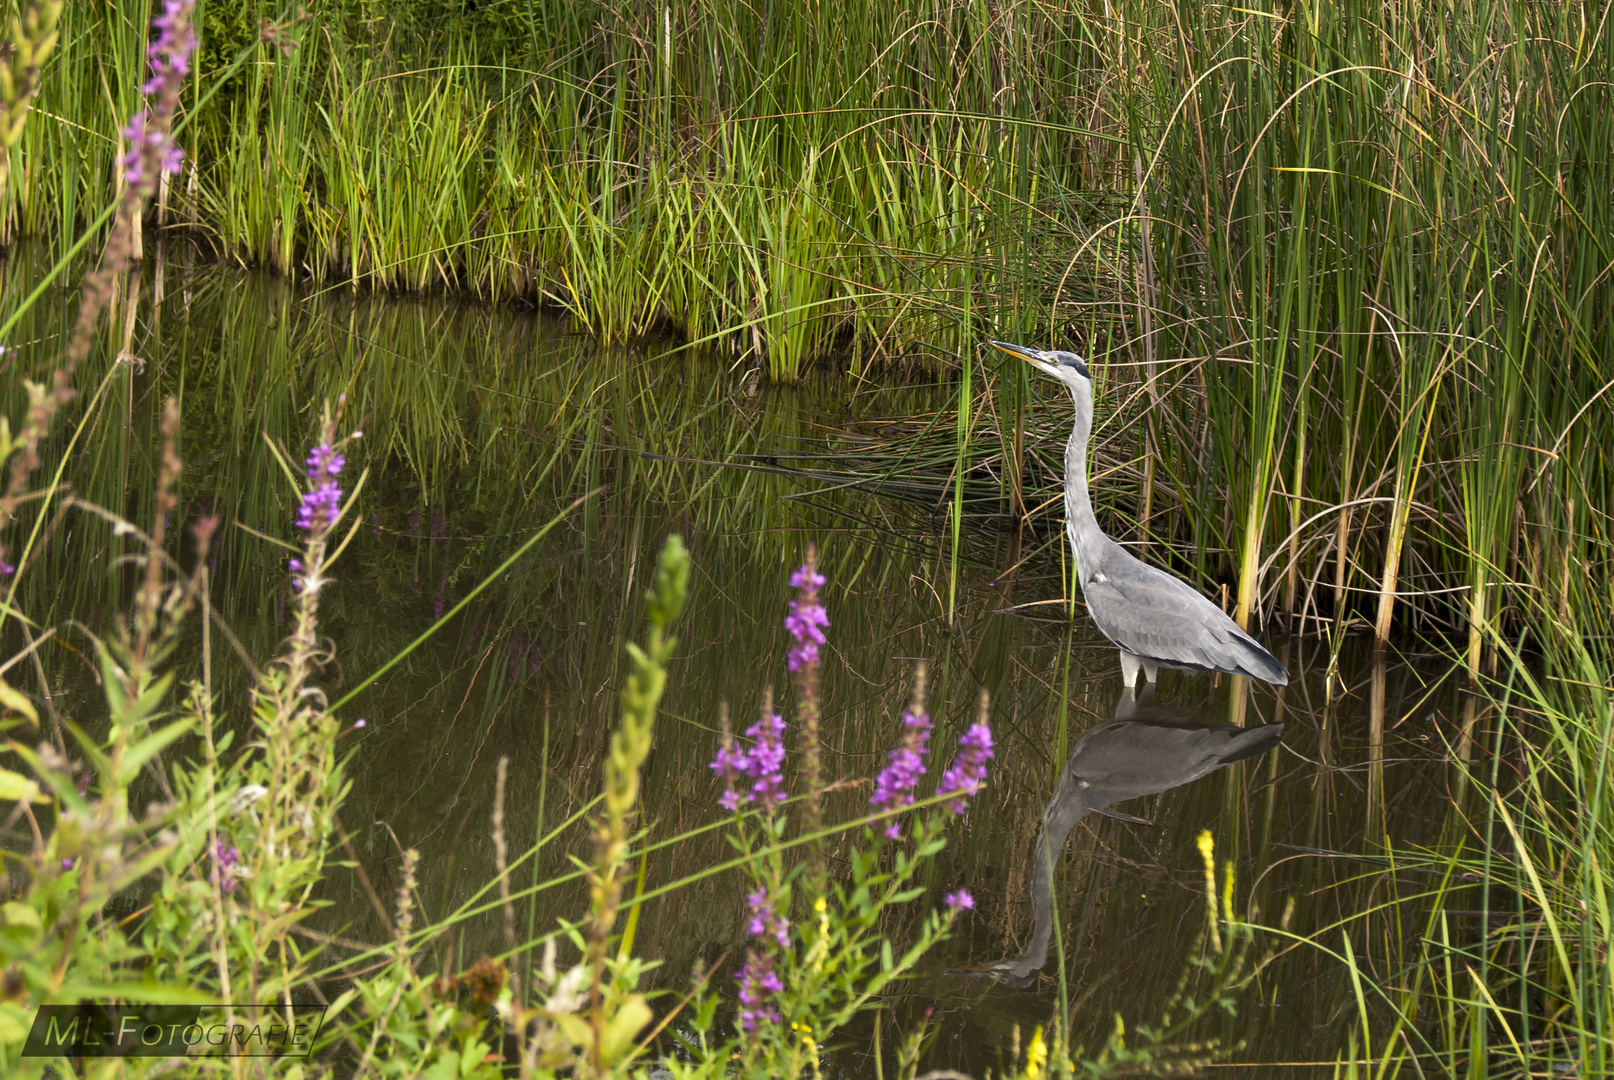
(1151, 614)
(1126, 759)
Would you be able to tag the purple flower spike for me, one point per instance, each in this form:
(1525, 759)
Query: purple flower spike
(807, 618)
(731, 764)
(323, 461)
(323, 501)
(959, 901)
(905, 765)
(968, 771)
(225, 858)
(767, 760)
(150, 147)
(762, 764)
(758, 981)
(765, 921)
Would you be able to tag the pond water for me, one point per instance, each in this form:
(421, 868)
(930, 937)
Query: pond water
(482, 424)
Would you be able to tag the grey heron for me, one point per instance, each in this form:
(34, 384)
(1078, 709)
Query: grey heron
(1155, 619)
(1144, 750)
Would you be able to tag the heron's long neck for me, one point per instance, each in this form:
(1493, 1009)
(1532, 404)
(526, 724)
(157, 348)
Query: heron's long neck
(1080, 524)
(1062, 814)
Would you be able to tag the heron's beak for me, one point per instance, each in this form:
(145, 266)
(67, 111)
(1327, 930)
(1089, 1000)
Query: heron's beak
(1030, 356)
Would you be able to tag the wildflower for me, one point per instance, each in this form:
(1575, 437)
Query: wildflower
(806, 622)
(6, 569)
(758, 980)
(1036, 1055)
(360, 723)
(151, 148)
(731, 763)
(765, 921)
(968, 771)
(905, 765)
(758, 983)
(762, 764)
(323, 501)
(225, 860)
(959, 901)
(767, 760)
(807, 618)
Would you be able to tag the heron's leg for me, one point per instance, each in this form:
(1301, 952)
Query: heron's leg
(1129, 669)
(1151, 672)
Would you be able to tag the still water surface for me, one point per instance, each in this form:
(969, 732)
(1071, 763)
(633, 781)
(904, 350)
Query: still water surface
(482, 424)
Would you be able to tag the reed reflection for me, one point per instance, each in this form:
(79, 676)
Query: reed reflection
(1145, 749)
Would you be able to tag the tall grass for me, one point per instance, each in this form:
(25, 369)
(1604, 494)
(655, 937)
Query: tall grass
(1345, 270)
(696, 169)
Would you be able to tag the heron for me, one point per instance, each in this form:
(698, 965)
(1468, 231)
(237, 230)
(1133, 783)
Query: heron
(1155, 619)
(1144, 750)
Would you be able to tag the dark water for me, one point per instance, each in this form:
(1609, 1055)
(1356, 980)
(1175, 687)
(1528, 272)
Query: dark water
(483, 424)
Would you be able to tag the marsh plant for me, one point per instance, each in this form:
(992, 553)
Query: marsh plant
(803, 980)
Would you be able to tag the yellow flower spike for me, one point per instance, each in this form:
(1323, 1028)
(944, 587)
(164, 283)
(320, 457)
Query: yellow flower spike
(820, 950)
(1036, 1055)
(1227, 895)
(1207, 851)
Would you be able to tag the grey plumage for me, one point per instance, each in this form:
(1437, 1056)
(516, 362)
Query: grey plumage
(1155, 619)
(1144, 750)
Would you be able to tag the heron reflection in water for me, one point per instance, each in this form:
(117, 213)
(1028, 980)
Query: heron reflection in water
(1145, 749)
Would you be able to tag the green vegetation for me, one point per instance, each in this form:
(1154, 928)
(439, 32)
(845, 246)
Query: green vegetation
(1343, 270)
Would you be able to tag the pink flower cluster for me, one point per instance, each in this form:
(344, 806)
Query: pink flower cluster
(762, 765)
(968, 771)
(323, 500)
(905, 765)
(149, 136)
(807, 619)
(758, 980)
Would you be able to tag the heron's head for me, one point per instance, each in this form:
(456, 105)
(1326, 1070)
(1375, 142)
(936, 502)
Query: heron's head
(1067, 367)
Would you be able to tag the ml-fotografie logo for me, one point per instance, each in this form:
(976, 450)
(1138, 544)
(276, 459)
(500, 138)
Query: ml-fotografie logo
(95, 1029)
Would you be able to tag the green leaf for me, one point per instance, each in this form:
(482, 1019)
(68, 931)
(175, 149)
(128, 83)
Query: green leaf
(632, 1014)
(20, 915)
(14, 787)
(17, 702)
(134, 991)
(153, 744)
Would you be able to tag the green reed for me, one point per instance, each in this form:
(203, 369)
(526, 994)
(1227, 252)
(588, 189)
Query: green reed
(685, 172)
(1507, 967)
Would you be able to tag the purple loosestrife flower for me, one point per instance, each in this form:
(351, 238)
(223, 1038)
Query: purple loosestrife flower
(905, 765)
(959, 901)
(807, 618)
(806, 623)
(731, 763)
(766, 922)
(323, 501)
(762, 764)
(968, 771)
(767, 760)
(150, 147)
(758, 981)
(225, 859)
